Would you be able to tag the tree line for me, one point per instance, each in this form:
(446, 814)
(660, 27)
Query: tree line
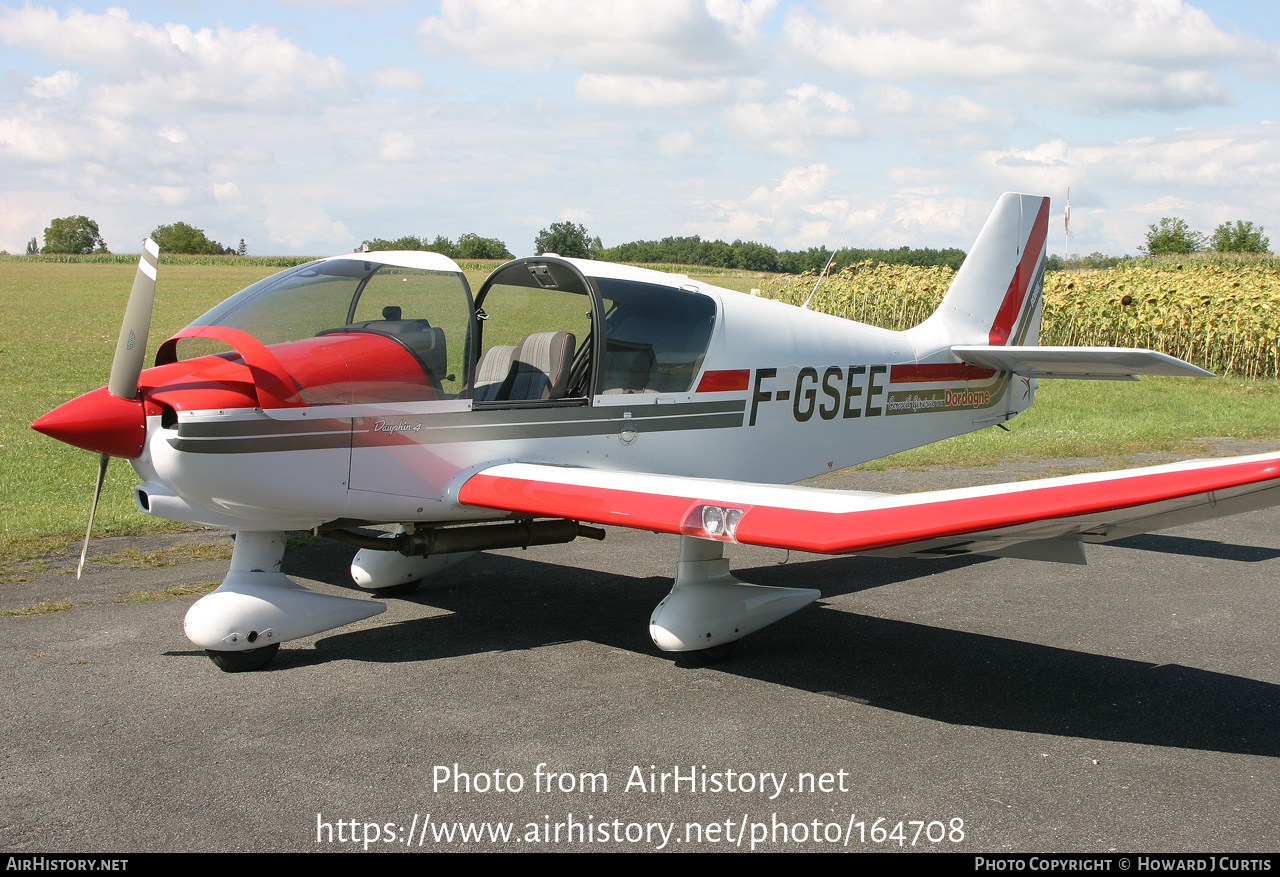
(79, 235)
(469, 246)
(1171, 235)
(573, 240)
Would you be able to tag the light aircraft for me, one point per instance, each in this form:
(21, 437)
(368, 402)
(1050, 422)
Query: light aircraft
(376, 388)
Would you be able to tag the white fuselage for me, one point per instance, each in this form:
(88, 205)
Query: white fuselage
(782, 394)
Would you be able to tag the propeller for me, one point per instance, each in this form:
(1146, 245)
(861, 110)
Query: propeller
(126, 367)
(132, 344)
(103, 459)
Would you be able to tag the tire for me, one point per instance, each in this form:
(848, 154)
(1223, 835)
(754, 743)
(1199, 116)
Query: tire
(402, 590)
(713, 655)
(243, 662)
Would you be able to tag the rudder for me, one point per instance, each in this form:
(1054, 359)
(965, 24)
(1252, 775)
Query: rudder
(995, 297)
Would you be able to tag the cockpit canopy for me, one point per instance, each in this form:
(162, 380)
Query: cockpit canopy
(393, 327)
(419, 301)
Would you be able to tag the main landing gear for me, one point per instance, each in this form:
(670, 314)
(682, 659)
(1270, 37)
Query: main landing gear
(708, 610)
(242, 624)
(392, 574)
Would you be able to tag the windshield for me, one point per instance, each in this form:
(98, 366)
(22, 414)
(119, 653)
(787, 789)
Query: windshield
(356, 294)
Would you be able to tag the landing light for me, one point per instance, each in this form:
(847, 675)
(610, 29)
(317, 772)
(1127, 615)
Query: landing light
(713, 521)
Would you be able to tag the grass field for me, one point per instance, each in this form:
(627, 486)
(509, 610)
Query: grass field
(62, 320)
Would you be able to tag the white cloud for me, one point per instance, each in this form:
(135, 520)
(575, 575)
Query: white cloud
(27, 139)
(949, 122)
(1205, 175)
(152, 118)
(401, 146)
(142, 66)
(900, 123)
(398, 78)
(22, 217)
(109, 40)
(798, 184)
(1096, 54)
(1244, 157)
(805, 209)
(793, 123)
(938, 215)
(59, 84)
(962, 110)
(675, 144)
(884, 99)
(172, 196)
(742, 19)
(668, 38)
(649, 92)
(790, 211)
(363, 6)
(1046, 167)
(300, 223)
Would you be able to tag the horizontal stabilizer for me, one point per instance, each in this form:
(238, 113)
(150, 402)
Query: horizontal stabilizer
(1079, 363)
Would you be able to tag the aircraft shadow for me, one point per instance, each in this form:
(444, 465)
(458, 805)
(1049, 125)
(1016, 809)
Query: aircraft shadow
(1197, 547)
(972, 679)
(506, 603)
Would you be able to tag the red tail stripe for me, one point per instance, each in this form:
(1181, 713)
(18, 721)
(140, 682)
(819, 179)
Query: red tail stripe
(1017, 292)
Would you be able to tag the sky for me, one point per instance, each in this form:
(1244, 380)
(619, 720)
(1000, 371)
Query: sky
(308, 126)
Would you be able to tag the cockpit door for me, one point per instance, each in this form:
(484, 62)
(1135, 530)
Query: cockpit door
(537, 342)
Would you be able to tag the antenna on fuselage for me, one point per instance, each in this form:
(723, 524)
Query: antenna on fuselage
(821, 274)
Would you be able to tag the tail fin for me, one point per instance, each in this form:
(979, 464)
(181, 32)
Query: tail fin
(995, 297)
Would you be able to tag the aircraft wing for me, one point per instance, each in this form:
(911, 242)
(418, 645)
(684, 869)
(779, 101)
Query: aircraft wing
(1046, 519)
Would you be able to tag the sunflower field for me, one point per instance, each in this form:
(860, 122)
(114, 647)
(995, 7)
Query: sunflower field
(1221, 314)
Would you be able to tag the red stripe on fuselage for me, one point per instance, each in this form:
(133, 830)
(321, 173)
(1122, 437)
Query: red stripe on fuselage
(937, 372)
(723, 381)
(1017, 292)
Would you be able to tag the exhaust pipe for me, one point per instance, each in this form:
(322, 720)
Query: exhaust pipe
(426, 541)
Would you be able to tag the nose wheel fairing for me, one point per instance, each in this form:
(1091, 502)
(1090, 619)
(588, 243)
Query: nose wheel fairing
(257, 605)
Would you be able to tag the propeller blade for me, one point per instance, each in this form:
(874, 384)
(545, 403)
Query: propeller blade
(93, 511)
(132, 346)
